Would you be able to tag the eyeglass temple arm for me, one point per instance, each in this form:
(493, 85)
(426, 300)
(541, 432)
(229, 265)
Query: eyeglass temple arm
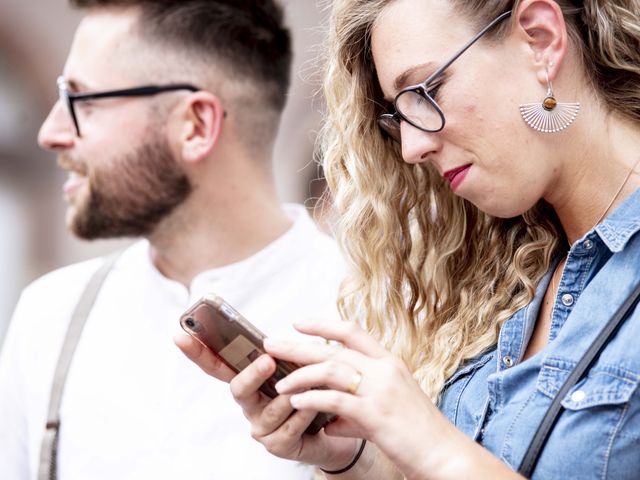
(132, 92)
(438, 72)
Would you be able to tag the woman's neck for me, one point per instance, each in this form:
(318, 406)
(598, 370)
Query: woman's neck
(595, 178)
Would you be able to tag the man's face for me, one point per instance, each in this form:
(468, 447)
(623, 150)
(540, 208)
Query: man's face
(123, 177)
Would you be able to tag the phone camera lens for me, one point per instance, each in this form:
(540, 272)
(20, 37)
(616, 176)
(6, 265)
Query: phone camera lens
(190, 323)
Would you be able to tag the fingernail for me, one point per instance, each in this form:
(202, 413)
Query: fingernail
(295, 401)
(303, 323)
(282, 386)
(264, 364)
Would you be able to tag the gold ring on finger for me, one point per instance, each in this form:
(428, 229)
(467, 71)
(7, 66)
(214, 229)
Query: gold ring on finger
(355, 383)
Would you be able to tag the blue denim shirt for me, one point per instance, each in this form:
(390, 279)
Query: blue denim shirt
(500, 400)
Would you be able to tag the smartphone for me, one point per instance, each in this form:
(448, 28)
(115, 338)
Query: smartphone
(220, 328)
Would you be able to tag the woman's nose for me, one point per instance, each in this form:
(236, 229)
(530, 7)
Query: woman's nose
(418, 145)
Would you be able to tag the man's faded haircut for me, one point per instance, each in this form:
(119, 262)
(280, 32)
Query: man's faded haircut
(248, 36)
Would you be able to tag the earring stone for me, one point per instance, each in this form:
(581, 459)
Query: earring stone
(549, 116)
(549, 103)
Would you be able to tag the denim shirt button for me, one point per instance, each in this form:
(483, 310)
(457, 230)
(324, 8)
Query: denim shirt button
(508, 361)
(567, 299)
(578, 396)
(587, 244)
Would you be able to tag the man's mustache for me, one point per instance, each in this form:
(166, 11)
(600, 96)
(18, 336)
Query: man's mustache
(66, 162)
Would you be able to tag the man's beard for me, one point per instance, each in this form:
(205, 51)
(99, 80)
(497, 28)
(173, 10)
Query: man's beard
(132, 195)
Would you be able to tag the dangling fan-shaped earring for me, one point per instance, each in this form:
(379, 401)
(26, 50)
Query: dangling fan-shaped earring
(549, 116)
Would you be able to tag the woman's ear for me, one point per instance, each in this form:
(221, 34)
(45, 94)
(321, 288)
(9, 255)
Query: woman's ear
(201, 127)
(542, 21)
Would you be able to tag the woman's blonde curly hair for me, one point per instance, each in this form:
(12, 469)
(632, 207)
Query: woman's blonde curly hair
(430, 275)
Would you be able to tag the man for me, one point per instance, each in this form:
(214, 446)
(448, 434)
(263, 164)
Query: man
(166, 122)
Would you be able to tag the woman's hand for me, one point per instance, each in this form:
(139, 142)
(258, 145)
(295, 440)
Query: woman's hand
(274, 422)
(377, 398)
(372, 391)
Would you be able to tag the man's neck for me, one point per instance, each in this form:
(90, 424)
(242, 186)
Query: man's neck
(203, 234)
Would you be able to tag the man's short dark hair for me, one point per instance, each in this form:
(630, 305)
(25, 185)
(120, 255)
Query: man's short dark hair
(248, 36)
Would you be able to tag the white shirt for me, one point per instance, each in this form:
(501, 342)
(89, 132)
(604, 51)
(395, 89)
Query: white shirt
(134, 406)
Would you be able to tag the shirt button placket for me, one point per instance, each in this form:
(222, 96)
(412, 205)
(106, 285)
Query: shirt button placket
(507, 361)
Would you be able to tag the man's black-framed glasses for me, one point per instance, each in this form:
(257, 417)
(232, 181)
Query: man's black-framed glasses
(68, 98)
(416, 106)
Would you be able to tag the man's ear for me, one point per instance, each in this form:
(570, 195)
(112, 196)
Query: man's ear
(542, 21)
(202, 121)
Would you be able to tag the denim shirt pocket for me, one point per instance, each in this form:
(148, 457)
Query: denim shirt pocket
(604, 384)
(456, 386)
(592, 434)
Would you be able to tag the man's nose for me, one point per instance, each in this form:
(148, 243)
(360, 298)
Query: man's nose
(56, 132)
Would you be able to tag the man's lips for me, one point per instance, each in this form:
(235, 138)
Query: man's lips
(74, 182)
(65, 162)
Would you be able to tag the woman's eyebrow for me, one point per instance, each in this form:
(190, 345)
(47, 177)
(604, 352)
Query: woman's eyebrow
(402, 80)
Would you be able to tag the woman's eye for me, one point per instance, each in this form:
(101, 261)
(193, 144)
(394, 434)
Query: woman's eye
(433, 90)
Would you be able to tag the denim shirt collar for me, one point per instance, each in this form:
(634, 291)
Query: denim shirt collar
(618, 228)
(615, 231)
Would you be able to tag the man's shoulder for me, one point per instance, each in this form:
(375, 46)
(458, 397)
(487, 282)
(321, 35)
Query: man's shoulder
(51, 298)
(310, 242)
(46, 304)
(306, 229)
(66, 277)
(74, 277)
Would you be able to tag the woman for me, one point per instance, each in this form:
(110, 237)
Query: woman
(484, 157)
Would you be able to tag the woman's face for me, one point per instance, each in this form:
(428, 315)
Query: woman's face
(486, 151)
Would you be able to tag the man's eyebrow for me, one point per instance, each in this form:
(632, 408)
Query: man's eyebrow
(76, 85)
(402, 80)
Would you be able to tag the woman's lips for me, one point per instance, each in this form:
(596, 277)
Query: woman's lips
(456, 176)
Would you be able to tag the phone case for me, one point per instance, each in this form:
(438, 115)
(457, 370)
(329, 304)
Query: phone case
(237, 342)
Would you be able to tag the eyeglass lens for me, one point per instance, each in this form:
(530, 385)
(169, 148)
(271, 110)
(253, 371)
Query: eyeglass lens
(390, 125)
(419, 110)
(66, 101)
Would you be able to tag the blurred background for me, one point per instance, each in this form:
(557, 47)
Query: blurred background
(34, 38)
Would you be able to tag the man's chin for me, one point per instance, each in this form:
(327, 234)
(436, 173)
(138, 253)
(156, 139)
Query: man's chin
(87, 225)
(78, 230)
(79, 225)
(71, 216)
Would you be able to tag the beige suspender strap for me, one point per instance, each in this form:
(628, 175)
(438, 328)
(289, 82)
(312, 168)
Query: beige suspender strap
(49, 450)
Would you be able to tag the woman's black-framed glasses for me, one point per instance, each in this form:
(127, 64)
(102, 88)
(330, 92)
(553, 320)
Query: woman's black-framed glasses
(69, 98)
(415, 105)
